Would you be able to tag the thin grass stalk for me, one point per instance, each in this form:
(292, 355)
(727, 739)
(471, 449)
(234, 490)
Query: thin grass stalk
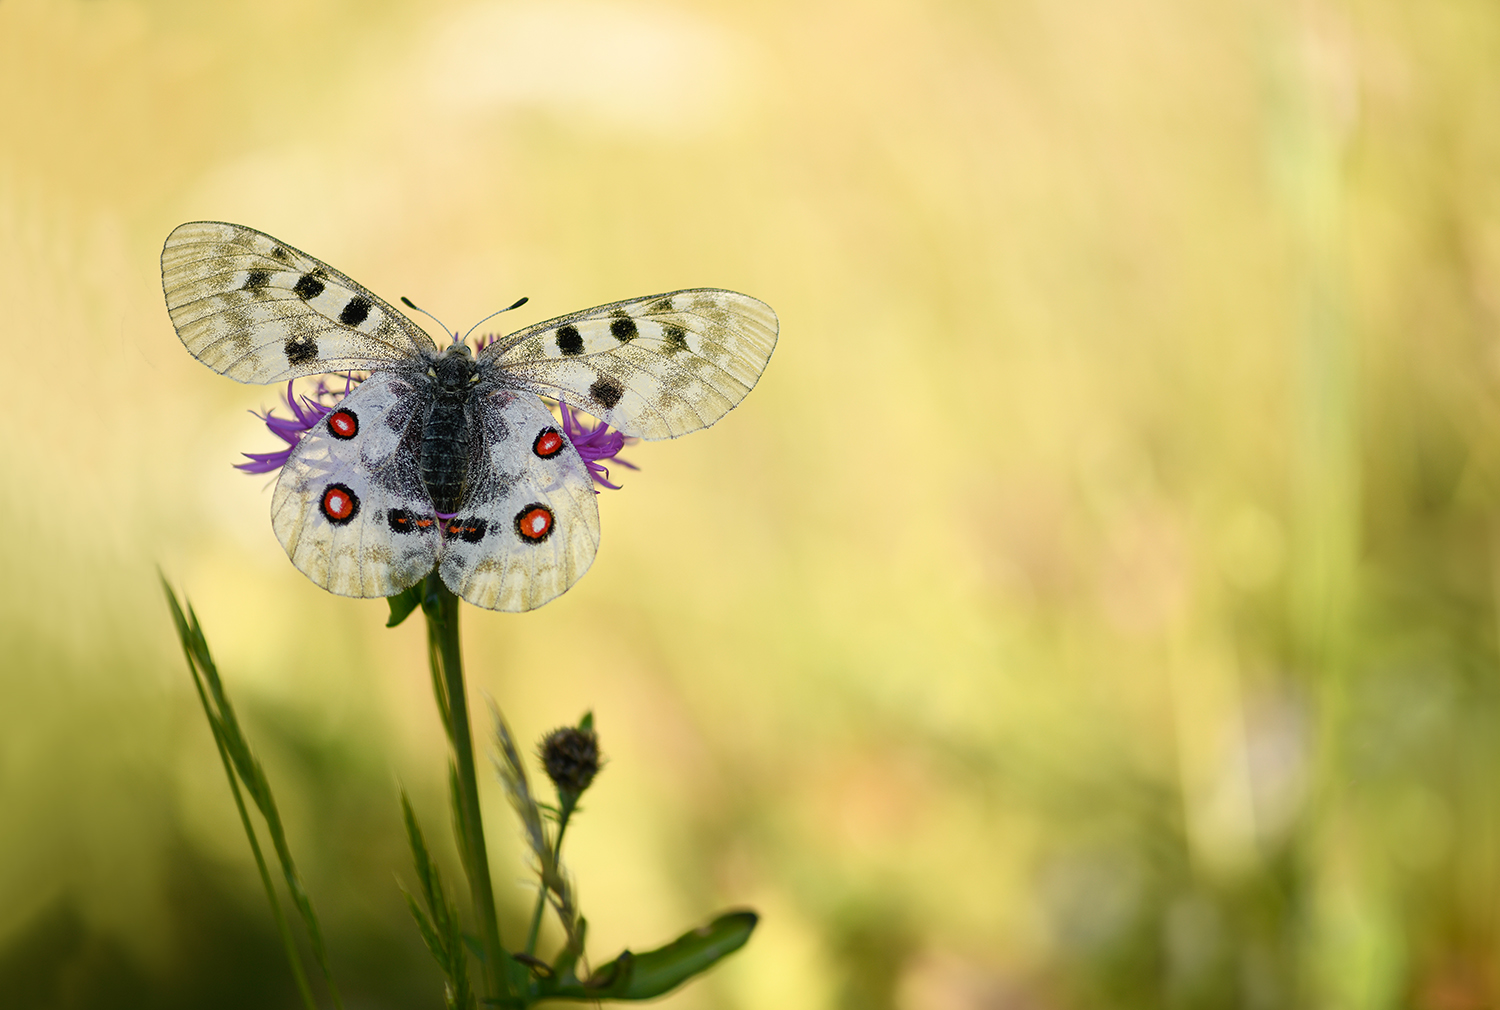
(300, 898)
(254, 779)
(191, 635)
(541, 895)
(439, 924)
(554, 881)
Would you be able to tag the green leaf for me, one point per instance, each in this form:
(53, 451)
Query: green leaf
(403, 603)
(665, 968)
(649, 975)
(613, 978)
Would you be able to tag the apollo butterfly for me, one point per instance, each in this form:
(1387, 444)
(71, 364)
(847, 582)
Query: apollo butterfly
(448, 458)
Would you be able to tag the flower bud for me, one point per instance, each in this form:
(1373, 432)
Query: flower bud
(571, 757)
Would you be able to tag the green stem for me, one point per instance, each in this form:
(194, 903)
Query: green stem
(440, 607)
(541, 895)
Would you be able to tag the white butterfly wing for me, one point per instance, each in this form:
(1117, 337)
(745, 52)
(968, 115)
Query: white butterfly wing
(654, 367)
(349, 507)
(529, 527)
(257, 310)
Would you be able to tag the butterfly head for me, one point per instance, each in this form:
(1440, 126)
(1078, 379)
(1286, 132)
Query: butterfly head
(454, 370)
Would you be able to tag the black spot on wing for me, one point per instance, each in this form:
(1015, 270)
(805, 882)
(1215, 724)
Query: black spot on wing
(301, 351)
(256, 280)
(623, 328)
(676, 338)
(281, 254)
(308, 287)
(356, 311)
(569, 340)
(607, 391)
(659, 306)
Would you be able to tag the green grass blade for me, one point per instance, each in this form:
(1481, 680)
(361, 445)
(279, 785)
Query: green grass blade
(200, 664)
(300, 899)
(439, 922)
(430, 937)
(259, 788)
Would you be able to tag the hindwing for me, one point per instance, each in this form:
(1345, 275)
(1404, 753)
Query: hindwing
(255, 309)
(654, 367)
(349, 507)
(529, 527)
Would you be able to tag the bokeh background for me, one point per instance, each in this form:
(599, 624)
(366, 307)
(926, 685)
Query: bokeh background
(1093, 607)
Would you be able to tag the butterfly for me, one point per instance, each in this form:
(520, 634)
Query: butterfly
(449, 459)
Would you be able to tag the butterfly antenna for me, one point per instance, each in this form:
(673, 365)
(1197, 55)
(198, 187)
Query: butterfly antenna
(417, 308)
(492, 315)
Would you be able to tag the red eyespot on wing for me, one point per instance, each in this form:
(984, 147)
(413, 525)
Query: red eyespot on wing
(534, 523)
(343, 424)
(339, 504)
(548, 444)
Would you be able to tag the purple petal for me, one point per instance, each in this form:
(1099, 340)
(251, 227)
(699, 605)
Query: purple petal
(600, 473)
(594, 444)
(306, 413)
(264, 462)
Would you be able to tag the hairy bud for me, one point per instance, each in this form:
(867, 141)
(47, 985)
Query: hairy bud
(571, 757)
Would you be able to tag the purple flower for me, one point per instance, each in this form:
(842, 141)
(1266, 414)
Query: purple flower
(307, 411)
(594, 444)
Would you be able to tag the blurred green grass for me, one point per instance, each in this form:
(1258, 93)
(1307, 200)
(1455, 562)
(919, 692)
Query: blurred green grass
(1093, 607)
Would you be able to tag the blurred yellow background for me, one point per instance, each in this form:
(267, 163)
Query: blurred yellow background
(1094, 605)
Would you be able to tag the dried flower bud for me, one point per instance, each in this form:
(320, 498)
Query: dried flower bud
(571, 757)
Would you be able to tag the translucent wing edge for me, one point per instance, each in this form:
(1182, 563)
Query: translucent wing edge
(752, 310)
(751, 326)
(193, 309)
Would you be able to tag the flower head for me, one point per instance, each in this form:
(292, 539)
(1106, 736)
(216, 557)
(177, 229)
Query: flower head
(594, 444)
(307, 411)
(571, 757)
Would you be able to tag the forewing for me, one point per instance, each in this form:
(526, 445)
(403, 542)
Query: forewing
(529, 527)
(257, 310)
(350, 509)
(654, 367)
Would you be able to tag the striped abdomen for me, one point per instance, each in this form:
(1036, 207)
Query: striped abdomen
(445, 453)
